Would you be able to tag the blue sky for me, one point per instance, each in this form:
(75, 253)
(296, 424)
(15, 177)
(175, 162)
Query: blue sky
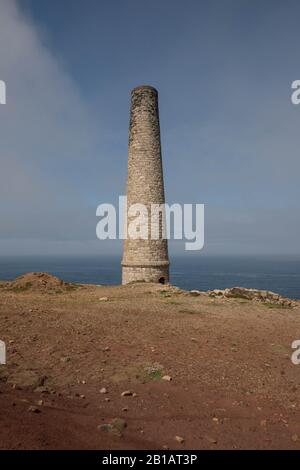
(230, 134)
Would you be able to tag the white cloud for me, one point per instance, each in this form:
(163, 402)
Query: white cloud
(47, 136)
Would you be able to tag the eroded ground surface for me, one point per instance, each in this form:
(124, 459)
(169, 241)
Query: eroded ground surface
(233, 383)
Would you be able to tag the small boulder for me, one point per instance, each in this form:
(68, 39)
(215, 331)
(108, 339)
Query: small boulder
(34, 409)
(195, 293)
(167, 378)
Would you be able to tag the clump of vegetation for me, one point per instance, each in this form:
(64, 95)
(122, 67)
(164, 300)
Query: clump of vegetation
(278, 306)
(23, 288)
(71, 287)
(238, 296)
(152, 372)
(165, 293)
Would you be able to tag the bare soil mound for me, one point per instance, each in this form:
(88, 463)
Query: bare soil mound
(38, 282)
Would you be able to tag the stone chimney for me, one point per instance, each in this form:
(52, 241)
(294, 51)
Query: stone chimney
(145, 260)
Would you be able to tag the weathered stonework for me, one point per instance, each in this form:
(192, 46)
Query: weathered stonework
(145, 260)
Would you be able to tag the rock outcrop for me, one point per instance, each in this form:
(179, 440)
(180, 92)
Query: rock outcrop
(251, 294)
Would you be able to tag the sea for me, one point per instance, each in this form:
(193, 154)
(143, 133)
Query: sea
(275, 273)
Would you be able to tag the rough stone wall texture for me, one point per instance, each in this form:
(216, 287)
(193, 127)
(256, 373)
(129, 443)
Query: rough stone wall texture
(145, 260)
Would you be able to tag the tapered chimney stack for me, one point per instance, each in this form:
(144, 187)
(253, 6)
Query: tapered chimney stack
(145, 260)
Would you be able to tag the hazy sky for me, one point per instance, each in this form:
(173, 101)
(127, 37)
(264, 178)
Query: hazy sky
(230, 133)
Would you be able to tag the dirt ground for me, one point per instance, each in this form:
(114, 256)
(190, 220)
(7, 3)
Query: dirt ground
(73, 350)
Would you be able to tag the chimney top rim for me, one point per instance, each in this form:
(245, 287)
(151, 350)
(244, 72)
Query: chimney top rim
(144, 87)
